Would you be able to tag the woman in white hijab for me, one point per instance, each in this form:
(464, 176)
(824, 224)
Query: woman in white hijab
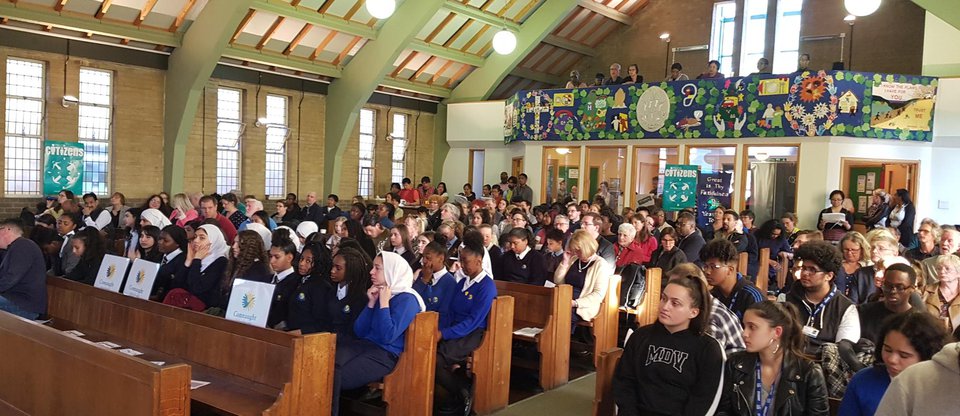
(305, 230)
(291, 234)
(264, 233)
(381, 328)
(154, 217)
(203, 276)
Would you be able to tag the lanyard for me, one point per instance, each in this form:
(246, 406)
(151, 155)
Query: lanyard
(763, 407)
(733, 301)
(820, 307)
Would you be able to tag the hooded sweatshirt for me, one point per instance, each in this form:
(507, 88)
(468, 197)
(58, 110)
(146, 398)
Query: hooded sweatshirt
(927, 388)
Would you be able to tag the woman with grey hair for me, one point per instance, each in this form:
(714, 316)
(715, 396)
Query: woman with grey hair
(879, 209)
(627, 249)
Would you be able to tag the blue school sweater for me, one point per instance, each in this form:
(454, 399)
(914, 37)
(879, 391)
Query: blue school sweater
(386, 327)
(438, 295)
(469, 308)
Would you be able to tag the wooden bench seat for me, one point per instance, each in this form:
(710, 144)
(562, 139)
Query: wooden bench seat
(605, 326)
(648, 310)
(36, 362)
(603, 403)
(253, 371)
(549, 309)
(408, 390)
(490, 363)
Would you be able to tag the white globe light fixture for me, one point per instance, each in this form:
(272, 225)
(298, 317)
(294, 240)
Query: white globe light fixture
(861, 7)
(381, 9)
(504, 42)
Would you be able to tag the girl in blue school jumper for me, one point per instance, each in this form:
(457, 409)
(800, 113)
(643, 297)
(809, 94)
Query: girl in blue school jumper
(380, 329)
(435, 284)
(462, 326)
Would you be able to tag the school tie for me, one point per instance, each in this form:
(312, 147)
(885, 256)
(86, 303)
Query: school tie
(275, 279)
(164, 261)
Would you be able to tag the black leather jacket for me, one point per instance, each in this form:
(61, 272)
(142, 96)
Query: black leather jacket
(801, 389)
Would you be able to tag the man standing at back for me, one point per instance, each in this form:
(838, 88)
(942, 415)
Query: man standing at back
(523, 192)
(23, 279)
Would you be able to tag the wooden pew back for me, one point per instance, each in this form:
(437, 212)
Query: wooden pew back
(258, 355)
(550, 309)
(743, 263)
(763, 274)
(491, 361)
(603, 403)
(650, 307)
(606, 325)
(782, 273)
(43, 369)
(408, 390)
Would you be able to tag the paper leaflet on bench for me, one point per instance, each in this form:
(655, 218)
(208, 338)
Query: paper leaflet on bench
(528, 331)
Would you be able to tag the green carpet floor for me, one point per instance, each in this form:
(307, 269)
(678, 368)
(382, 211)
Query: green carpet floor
(575, 398)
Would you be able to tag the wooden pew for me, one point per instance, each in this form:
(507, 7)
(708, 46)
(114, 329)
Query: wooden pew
(550, 309)
(603, 403)
(650, 307)
(743, 263)
(763, 273)
(783, 272)
(37, 358)
(490, 363)
(606, 325)
(252, 370)
(408, 390)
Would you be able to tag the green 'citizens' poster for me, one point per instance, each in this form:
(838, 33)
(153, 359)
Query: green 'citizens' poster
(62, 167)
(679, 187)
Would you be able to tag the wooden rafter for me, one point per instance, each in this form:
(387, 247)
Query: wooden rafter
(353, 10)
(486, 5)
(423, 68)
(295, 3)
(573, 62)
(603, 35)
(440, 72)
(457, 34)
(543, 58)
(243, 25)
(183, 15)
(507, 86)
(440, 27)
(506, 7)
(456, 77)
(325, 6)
(104, 8)
(524, 10)
(576, 31)
(475, 38)
(323, 45)
(566, 21)
(297, 39)
(60, 5)
(147, 8)
(269, 33)
(639, 5)
(403, 64)
(346, 51)
(486, 48)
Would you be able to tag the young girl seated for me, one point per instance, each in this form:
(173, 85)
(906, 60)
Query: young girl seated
(88, 246)
(672, 367)
(147, 249)
(172, 274)
(400, 241)
(380, 329)
(434, 283)
(206, 263)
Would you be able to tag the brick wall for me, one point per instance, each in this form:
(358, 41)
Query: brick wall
(137, 147)
(876, 47)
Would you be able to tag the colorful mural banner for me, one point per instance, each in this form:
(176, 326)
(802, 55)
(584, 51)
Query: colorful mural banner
(679, 187)
(824, 103)
(62, 167)
(713, 190)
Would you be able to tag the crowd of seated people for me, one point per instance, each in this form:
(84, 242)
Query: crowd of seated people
(842, 313)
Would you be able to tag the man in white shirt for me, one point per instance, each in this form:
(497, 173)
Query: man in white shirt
(93, 215)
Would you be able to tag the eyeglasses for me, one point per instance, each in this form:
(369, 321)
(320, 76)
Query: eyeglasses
(810, 270)
(895, 288)
(712, 266)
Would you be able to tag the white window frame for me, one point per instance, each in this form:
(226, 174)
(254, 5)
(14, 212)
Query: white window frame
(95, 138)
(277, 125)
(785, 58)
(721, 28)
(366, 152)
(230, 130)
(757, 37)
(24, 148)
(399, 147)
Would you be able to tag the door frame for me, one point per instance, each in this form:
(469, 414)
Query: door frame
(848, 162)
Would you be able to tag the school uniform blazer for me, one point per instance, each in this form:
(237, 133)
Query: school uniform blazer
(280, 306)
(594, 286)
(68, 260)
(170, 276)
(205, 284)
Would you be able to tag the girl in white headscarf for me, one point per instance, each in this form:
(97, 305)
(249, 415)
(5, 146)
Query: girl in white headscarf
(154, 217)
(305, 230)
(203, 276)
(291, 234)
(265, 234)
(381, 328)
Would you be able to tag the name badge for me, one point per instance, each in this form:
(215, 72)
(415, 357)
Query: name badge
(523, 266)
(810, 331)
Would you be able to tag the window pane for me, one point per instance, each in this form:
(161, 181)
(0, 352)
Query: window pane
(771, 181)
(95, 118)
(367, 134)
(399, 148)
(649, 164)
(606, 171)
(754, 35)
(562, 173)
(277, 132)
(229, 128)
(787, 41)
(23, 127)
(722, 35)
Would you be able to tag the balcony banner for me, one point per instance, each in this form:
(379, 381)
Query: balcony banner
(62, 167)
(806, 104)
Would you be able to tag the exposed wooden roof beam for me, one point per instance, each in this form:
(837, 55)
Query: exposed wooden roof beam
(346, 51)
(423, 68)
(183, 15)
(315, 17)
(480, 15)
(59, 6)
(323, 45)
(403, 64)
(605, 11)
(297, 39)
(104, 8)
(269, 33)
(243, 24)
(569, 45)
(147, 8)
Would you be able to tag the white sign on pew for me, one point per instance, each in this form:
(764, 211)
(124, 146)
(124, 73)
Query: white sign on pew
(140, 283)
(112, 270)
(250, 302)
